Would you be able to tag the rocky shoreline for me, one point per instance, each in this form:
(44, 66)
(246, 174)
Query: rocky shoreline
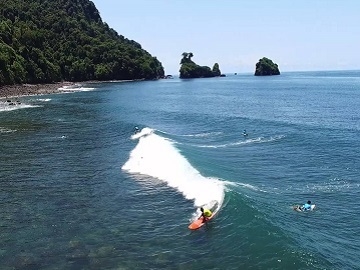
(32, 89)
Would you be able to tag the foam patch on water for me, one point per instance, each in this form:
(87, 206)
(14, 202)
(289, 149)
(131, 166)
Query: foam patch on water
(244, 185)
(334, 185)
(158, 157)
(44, 99)
(206, 134)
(7, 106)
(75, 88)
(243, 142)
(196, 135)
(6, 130)
(144, 132)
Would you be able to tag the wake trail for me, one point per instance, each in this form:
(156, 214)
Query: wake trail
(243, 142)
(197, 135)
(158, 157)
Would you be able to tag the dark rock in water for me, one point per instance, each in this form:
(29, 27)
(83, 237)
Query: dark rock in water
(222, 75)
(266, 67)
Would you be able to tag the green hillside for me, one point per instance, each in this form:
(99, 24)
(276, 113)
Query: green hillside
(44, 41)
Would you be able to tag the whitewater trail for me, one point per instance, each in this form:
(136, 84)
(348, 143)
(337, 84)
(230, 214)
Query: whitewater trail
(158, 157)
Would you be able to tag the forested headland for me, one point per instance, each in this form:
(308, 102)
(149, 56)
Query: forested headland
(45, 41)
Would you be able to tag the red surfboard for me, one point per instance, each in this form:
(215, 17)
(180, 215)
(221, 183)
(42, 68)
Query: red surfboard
(198, 223)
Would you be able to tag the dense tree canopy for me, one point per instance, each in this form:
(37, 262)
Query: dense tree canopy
(190, 69)
(45, 41)
(266, 67)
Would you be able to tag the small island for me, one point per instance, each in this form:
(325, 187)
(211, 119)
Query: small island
(266, 67)
(189, 69)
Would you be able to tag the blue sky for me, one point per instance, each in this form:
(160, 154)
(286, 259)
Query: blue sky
(297, 35)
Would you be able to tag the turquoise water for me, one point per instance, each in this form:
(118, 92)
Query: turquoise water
(78, 191)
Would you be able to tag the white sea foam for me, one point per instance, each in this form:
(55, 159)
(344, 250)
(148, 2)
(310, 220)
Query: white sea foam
(243, 142)
(329, 186)
(245, 185)
(44, 99)
(75, 88)
(6, 107)
(142, 133)
(199, 135)
(157, 157)
(206, 134)
(79, 89)
(6, 130)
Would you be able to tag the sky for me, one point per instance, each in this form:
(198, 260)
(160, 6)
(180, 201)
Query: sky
(297, 35)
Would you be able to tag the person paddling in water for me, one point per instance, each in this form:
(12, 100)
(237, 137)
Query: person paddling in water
(205, 213)
(306, 206)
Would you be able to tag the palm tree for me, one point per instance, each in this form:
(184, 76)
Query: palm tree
(186, 57)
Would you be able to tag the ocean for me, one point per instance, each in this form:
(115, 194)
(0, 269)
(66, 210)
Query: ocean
(78, 190)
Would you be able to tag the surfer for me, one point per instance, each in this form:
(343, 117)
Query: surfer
(306, 206)
(136, 130)
(244, 133)
(205, 213)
